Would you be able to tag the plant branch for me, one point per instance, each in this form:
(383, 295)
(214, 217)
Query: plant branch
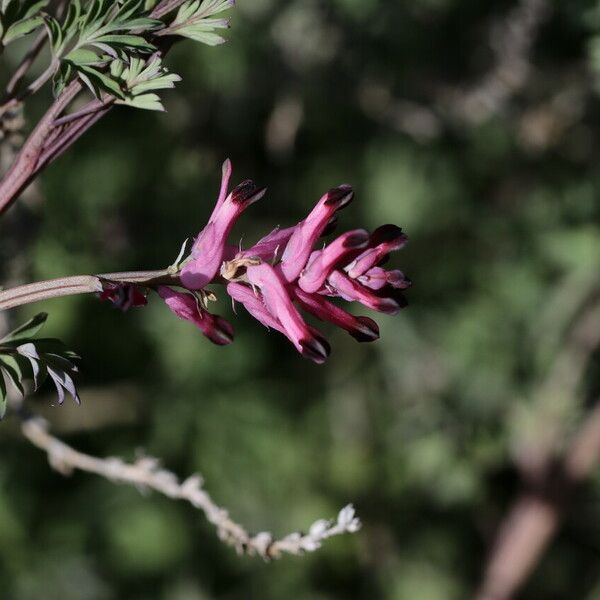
(82, 284)
(146, 474)
(23, 170)
(536, 515)
(12, 98)
(25, 65)
(164, 7)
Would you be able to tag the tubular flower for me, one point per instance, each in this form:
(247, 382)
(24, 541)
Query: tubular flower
(123, 295)
(284, 273)
(187, 307)
(208, 249)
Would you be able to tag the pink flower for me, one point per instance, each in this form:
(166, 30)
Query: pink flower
(123, 295)
(279, 303)
(307, 232)
(187, 307)
(361, 329)
(209, 248)
(324, 261)
(284, 273)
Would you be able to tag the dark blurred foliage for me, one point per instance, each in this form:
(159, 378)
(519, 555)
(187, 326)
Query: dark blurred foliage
(420, 430)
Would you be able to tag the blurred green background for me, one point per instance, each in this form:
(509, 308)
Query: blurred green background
(420, 430)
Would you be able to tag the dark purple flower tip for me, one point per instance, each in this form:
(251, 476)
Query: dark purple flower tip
(330, 227)
(397, 279)
(357, 239)
(123, 295)
(362, 329)
(316, 348)
(340, 196)
(247, 193)
(390, 301)
(387, 305)
(324, 261)
(397, 296)
(221, 332)
(390, 235)
(377, 278)
(387, 300)
(366, 331)
(187, 307)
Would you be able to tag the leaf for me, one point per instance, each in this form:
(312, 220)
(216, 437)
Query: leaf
(61, 78)
(12, 370)
(145, 102)
(200, 34)
(83, 56)
(160, 83)
(34, 8)
(22, 28)
(194, 21)
(2, 397)
(24, 357)
(96, 81)
(132, 41)
(20, 18)
(27, 330)
(55, 34)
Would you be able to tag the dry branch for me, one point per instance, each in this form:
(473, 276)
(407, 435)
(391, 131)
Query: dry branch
(146, 474)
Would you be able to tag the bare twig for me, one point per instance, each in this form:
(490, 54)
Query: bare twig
(23, 169)
(26, 63)
(512, 40)
(12, 97)
(512, 47)
(536, 515)
(146, 474)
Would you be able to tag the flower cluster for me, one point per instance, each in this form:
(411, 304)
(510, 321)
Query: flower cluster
(284, 273)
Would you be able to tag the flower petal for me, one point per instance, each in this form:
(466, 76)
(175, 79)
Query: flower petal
(386, 301)
(377, 278)
(270, 246)
(384, 239)
(277, 300)
(307, 232)
(362, 329)
(314, 276)
(209, 247)
(123, 295)
(185, 306)
(253, 302)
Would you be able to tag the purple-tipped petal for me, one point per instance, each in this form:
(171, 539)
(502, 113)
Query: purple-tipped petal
(280, 305)
(314, 276)
(363, 329)
(377, 278)
(307, 232)
(209, 248)
(330, 227)
(186, 307)
(314, 347)
(384, 239)
(352, 290)
(340, 196)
